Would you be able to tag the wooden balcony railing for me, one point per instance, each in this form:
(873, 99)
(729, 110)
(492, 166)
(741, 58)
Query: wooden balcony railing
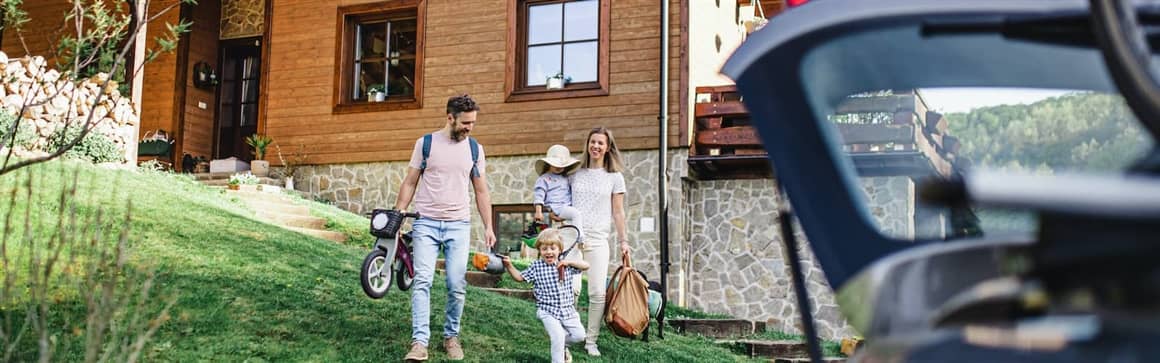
(889, 134)
(725, 144)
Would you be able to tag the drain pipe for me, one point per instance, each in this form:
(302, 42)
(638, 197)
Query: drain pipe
(662, 184)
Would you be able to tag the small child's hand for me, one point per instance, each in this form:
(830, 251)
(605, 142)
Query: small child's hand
(507, 261)
(539, 217)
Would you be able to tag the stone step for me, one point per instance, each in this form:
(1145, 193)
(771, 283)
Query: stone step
(807, 360)
(781, 349)
(482, 279)
(261, 180)
(292, 220)
(517, 293)
(278, 207)
(717, 328)
(279, 195)
(211, 176)
(327, 235)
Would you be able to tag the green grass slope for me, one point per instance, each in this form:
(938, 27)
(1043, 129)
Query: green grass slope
(250, 291)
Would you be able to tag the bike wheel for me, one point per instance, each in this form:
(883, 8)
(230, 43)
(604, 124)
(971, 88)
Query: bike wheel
(402, 277)
(375, 275)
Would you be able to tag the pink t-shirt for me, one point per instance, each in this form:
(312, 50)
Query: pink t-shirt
(443, 187)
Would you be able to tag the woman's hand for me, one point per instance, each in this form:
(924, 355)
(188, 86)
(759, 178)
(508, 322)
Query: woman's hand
(624, 248)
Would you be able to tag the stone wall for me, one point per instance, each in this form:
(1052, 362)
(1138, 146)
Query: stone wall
(242, 18)
(50, 101)
(725, 247)
(360, 188)
(736, 261)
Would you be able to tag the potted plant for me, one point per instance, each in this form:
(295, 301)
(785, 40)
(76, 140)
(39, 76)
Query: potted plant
(259, 142)
(240, 179)
(377, 93)
(558, 81)
(290, 166)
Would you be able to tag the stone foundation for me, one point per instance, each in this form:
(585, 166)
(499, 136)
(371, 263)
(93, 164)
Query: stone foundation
(725, 241)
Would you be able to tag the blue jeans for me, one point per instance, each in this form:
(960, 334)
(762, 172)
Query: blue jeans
(431, 237)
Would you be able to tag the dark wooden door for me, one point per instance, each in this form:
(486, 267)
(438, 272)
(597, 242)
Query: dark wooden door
(237, 116)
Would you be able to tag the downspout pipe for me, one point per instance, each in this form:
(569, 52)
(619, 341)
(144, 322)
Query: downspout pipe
(662, 167)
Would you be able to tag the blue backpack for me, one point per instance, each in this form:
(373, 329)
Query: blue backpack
(474, 155)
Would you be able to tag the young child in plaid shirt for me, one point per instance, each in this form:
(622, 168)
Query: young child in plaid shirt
(551, 279)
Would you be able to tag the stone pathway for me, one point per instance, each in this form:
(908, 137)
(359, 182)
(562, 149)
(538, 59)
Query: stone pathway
(272, 205)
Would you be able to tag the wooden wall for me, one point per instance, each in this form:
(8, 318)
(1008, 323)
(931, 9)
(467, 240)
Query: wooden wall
(465, 52)
(158, 101)
(46, 24)
(197, 131)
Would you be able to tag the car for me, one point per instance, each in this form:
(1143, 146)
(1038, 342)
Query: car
(1028, 194)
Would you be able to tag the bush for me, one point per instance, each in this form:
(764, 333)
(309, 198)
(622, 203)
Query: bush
(25, 134)
(95, 148)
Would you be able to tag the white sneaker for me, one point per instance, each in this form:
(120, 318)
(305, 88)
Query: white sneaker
(591, 349)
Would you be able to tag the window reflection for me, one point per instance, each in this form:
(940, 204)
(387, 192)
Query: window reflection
(562, 38)
(385, 58)
(582, 20)
(580, 61)
(544, 23)
(543, 62)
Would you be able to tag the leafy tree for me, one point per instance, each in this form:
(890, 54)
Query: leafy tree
(1077, 131)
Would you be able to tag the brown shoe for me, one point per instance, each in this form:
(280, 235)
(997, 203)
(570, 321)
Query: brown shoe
(454, 350)
(418, 353)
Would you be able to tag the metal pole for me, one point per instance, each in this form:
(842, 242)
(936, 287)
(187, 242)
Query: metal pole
(663, 162)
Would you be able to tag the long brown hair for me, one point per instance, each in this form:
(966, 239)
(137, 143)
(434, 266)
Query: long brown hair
(611, 157)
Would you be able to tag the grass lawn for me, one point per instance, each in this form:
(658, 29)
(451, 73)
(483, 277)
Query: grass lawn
(246, 290)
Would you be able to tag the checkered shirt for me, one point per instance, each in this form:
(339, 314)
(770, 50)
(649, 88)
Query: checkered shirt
(552, 295)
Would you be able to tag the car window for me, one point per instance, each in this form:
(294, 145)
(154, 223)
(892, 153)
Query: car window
(896, 139)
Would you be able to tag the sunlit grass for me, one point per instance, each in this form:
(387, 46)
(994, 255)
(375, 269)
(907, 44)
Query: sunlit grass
(248, 290)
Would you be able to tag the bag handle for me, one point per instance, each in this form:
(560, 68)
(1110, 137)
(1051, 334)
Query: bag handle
(624, 260)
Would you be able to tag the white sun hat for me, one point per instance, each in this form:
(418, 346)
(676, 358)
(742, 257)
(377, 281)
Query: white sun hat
(558, 156)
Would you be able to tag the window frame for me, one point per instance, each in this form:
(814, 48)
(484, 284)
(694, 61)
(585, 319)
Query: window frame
(517, 48)
(351, 15)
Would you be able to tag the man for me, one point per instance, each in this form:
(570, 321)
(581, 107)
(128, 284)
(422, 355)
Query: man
(438, 179)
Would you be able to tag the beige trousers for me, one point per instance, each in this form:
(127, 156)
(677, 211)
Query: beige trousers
(596, 253)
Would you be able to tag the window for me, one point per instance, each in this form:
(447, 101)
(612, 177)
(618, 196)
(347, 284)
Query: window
(510, 221)
(380, 55)
(565, 39)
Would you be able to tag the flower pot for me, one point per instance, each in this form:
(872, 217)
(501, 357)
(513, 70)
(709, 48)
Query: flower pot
(555, 83)
(260, 168)
(290, 183)
(380, 96)
(233, 186)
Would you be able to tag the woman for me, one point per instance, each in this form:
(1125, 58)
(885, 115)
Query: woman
(598, 194)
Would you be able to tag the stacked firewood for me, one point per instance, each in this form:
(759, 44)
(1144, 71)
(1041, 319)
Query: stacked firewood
(50, 100)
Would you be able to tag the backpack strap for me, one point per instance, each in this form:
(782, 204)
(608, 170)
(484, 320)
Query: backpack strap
(426, 152)
(474, 157)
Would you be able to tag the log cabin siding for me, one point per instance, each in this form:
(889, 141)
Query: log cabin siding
(40, 33)
(197, 131)
(158, 100)
(462, 54)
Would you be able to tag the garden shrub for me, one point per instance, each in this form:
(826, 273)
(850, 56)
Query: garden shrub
(95, 148)
(25, 134)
